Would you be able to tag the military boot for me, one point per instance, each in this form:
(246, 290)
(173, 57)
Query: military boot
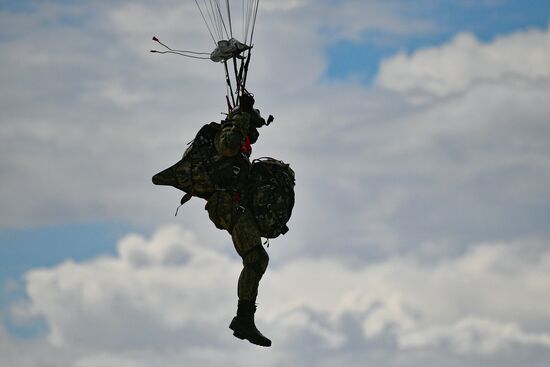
(243, 325)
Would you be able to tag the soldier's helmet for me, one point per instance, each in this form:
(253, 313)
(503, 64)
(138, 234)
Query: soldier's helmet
(246, 104)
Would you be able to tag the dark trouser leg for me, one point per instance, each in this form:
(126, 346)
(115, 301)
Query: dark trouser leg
(247, 240)
(248, 243)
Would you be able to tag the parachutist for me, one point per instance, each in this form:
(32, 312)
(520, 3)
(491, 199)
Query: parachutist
(248, 200)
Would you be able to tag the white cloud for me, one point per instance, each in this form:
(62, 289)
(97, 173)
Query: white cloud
(108, 361)
(154, 282)
(278, 5)
(170, 292)
(351, 20)
(455, 66)
(474, 335)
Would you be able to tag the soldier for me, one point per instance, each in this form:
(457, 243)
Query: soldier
(216, 167)
(227, 209)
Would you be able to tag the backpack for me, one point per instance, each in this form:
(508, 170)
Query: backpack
(202, 171)
(272, 195)
(198, 158)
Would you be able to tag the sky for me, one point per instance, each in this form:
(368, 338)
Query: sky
(420, 138)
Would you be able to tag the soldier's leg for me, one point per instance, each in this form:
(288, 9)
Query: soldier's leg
(246, 239)
(248, 243)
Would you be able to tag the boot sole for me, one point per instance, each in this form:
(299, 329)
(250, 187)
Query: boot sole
(239, 335)
(243, 336)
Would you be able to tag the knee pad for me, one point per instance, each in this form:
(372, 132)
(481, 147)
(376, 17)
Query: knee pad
(257, 259)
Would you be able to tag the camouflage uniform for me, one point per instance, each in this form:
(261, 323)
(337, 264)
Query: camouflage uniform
(226, 210)
(216, 167)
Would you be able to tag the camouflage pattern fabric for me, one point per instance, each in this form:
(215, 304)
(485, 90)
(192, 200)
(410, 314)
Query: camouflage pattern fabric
(272, 196)
(234, 129)
(226, 210)
(212, 162)
(239, 221)
(192, 173)
(214, 168)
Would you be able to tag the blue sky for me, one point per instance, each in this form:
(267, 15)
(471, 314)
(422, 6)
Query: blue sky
(21, 250)
(436, 174)
(360, 59)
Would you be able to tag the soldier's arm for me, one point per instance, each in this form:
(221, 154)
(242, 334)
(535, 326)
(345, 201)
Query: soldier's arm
(228, 141)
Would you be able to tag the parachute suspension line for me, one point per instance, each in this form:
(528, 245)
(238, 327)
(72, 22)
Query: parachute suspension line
(245, 76)
(205, 22)
(237, 79)
(227, 94)
(229, 17)
(212, 17)
(216, 19)
(254, 20)
(243, 38)
(247, 18)
(241, 69)
(180, 52)
(219, 22)
(250, 12)
(228, 81)
(247, 62)
(221, 18)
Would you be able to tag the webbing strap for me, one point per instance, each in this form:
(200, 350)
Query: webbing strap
(236, 213)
